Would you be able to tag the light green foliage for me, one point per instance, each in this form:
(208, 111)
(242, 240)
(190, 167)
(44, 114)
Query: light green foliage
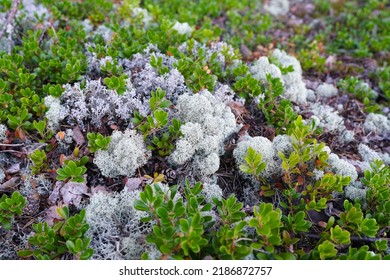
(65, 236)
(360, 28)
(200, 71)
(9, 207)
(267, 223)
(229, 242)
(157, 119)
(39, 159)
(73, 170)
(179, 227)
(116, 83)
(253, 164)
(97, 141)
(378, 193)
(353, 220)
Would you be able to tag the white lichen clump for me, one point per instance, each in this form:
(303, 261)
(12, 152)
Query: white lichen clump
(126, 152)
(53, 115)
(261, 67)
(114, 226)
(341, 167)
(326, 90)
(208, 122)
(377, 123)
(3, 130)
(277, 7)
(294, 87)
(210, 191)
(182, 28)
(369, 155)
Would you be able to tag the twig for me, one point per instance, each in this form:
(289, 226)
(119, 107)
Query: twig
(11, 145)
(11, 16)
(353, 238)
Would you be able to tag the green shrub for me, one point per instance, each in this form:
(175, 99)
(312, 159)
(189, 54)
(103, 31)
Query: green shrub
(65, 236)
(9, 207)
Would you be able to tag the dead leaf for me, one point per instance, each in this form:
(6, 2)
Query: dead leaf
(72, 193)
(19, 133)
(55, 194)
(238, 109)
(10, 185)
(98, 189)
(78, 136)
(14, 168)
(62, 159)
(61, 135)
(52, 215)
(133, 184)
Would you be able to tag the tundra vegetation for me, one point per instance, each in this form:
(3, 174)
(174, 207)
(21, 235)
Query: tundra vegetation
(227, 129)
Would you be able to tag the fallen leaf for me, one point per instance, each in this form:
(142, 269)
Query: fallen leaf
(52, 215)
(72, 193)
(133, 184)
(14, 168)
(78, 136)
(61, 135)
(55, 194)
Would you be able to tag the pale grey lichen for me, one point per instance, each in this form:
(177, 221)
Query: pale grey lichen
(287, 60)
(114, 226)
(207, 165)
(2, 175)
(311, 96)
(282, 143)
(369, 155)
(210, 191)
(53, 114)
(346, 136)
(355, 191)
(126, 152)
(377, 123)
(207, 123)
(326, 90)
(182, 28)
(143, 14)
(3, 130)
(341, 167)
(294, 87)
(261, 67)
(277, 7)
(318, 174)
(328, 119)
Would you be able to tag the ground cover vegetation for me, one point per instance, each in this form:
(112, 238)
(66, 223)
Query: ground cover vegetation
(212, 130)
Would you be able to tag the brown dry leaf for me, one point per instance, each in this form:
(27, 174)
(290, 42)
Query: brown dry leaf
(73, 192)
(61, 135)
(238, 109)
(10, 185)
(55, 194)
(14, 168)
(62, 159)
(78, 136)
(98, 189)
(19, 133)
(52, 215)
(133, 184)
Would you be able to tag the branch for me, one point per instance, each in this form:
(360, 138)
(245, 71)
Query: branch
(353, 238)
(11, 16)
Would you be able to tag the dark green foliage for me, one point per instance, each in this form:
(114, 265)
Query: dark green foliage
(73, 170)
(65, 236)
(9, 207)
(97, 141)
